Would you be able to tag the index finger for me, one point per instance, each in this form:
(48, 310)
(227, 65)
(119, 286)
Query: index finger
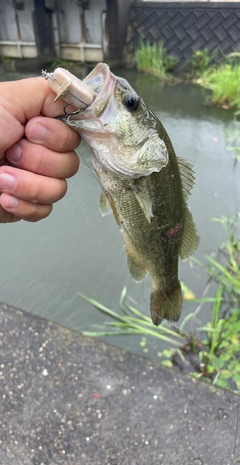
(52, 133)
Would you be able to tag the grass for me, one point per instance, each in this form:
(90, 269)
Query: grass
(154, 59)
(224, 82)
(215, 344)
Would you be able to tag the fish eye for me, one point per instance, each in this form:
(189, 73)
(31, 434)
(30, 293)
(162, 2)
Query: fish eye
(131, 101)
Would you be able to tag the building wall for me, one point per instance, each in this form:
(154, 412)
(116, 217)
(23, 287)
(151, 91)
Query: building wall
(186, 27)
(15, 23)
(69, 20)
(17, 36)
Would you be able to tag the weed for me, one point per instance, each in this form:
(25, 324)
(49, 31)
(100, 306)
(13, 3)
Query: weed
(224, 82)
(201, 60)
(154, 59)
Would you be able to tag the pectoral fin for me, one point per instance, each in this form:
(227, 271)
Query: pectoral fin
(137, 270)
(190, 239)
(143, 198)
(104, 204)
(153, 155)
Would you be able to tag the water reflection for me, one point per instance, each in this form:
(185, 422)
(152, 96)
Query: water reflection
(44, 266)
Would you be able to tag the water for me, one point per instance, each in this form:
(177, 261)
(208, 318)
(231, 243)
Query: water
(44, 266)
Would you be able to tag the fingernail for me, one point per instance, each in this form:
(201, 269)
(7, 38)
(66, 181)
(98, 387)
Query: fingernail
(38, 132)
(12, 202)
(14, 153)
(7, 182)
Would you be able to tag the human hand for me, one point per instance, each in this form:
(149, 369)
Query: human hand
(36, 150)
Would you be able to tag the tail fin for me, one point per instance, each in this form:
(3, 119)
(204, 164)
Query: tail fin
(166, 306)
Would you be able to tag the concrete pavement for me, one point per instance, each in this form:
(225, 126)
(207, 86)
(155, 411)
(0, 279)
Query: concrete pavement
(69, 399)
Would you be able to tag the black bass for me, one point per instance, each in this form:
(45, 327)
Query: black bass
(143, 182)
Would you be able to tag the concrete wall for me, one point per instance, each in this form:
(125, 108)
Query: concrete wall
(17, 36)
(185, 27)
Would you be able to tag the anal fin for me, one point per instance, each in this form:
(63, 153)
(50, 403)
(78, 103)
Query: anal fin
(137, 270)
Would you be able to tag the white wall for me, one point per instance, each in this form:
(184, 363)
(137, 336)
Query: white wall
(8, 21)
(17, 27)
(68, 17)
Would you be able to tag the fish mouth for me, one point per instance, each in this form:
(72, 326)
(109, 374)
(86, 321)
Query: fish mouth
(90, 97)
(99, 78)
(101, 81)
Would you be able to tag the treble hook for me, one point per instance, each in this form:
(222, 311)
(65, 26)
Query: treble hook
(66, 117)
(72, 112)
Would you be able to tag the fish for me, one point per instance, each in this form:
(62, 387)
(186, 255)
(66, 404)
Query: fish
(144, 184)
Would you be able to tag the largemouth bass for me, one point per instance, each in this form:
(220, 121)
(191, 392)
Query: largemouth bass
(143, 182)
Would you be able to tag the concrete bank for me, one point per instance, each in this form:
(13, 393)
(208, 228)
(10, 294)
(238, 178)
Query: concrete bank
(68, 399)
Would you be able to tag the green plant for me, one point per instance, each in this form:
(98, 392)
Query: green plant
(233, 58)
(170, 62)
(201, 60)
(132, 321)
(220, 356)
(226, 270)
(221, 363)
(149, 58)
(154, 59)
(224, 82)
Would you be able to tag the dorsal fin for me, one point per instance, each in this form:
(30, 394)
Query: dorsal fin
(187, 176)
